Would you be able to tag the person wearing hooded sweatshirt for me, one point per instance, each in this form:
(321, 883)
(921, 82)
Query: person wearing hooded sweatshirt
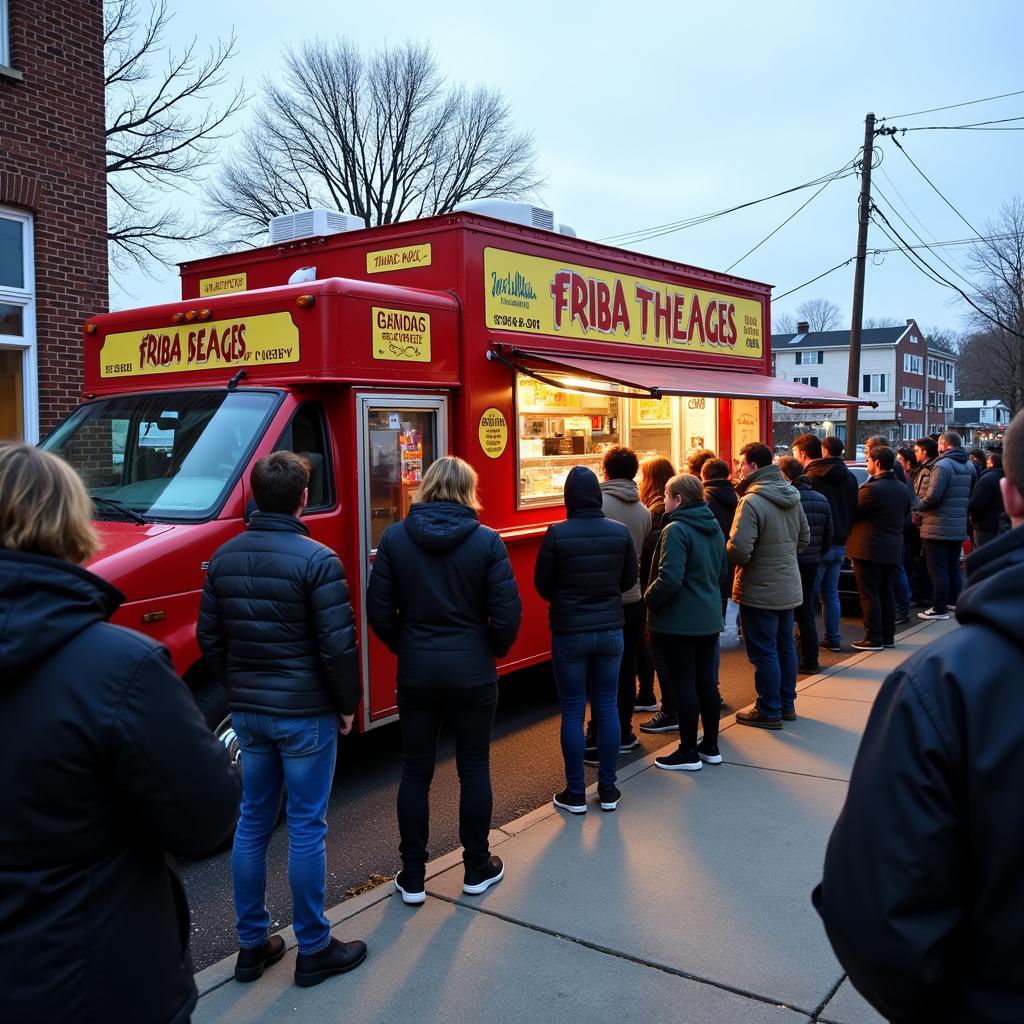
(922, 895)
(109, 773)
(443, 598)
(584, 566)
(769, 531)
(831, 477)
(620, 500)
(986, 507)
(943, 496)
(685, 617)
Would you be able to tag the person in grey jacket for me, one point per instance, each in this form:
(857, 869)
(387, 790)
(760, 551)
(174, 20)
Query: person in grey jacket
(943, 495)
(620, 501)
(769, 531)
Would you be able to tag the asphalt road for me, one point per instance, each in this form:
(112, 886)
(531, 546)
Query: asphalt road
(362, 842)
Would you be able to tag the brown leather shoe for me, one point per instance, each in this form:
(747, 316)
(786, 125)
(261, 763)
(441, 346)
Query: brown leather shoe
(755, 718)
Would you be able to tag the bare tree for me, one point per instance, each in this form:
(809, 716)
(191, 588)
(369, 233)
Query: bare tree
(882, 321)
(162, 129)
(820, 314)
(783, 323)
(384, 137)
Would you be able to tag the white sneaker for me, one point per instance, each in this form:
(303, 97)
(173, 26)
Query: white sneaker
(931, 613)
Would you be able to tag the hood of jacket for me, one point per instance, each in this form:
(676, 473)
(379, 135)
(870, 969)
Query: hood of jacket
(995, 585)
(698, 516)
(769, 483)
(582, 493)
(440, 525)
(624, 490)
(44, 602)
(722, 489)
(833, 469)
(956, 454)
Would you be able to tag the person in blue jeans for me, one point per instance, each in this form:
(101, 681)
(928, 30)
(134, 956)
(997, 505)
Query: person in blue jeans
(583, 567)
(276, 628)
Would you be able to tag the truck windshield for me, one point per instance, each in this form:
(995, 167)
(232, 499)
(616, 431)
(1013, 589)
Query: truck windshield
(171, 455)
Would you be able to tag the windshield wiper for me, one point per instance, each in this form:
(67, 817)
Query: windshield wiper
(119, 506)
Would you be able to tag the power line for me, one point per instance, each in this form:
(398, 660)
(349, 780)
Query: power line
(953, 106)
(975, 126)
(791, 216)
(838, 266)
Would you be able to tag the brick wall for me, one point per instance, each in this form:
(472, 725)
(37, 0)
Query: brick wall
(51, 162)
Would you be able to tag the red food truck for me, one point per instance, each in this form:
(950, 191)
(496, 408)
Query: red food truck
(519, 348)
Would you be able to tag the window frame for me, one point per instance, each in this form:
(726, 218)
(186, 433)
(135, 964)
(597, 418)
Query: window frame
(26, 342)
(330, 501)
(5, 34)
(868, 381)
(803, 358)
(811, 382)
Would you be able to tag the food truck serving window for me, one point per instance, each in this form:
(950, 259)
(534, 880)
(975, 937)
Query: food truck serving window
(560, 427)
(170, 455)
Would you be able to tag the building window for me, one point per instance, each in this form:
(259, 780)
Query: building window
(873, 384)
(949, 400)
(5, 38)
(911, 431)
(809, 381)
(19, 417)
(809, 358)
(949, 372)
(912, 363)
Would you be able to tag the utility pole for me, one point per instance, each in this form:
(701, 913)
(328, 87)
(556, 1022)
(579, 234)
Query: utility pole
(853, 379)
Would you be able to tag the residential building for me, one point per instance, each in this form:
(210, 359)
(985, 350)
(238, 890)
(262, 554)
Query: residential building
(981, 422)
(53, 230)
(912, 382)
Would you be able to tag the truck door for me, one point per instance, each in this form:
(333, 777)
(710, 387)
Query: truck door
(398, 437)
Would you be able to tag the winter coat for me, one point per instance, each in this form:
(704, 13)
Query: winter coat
(275, 625)
(722, 499)
(986, 504)
(586, 563)
(620, 501)
(442, 596)
(684, 597)
(819, 522)
(832, 477)
(769, 531)
(923, 894)
(881, 511)
(657, 510)
(108, 772)
(943, 493)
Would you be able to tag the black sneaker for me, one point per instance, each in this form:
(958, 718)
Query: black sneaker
(660, 723)
(591, 756)
(250, 963)
(888, 643)
(902, 617)
(755, 718)
(808, 670)
(629, 742)
(933, 613)
(679, 761)
(338, 958)
(576, 803)
(608, 798)
(646, 702)
(480, 879)
(412, 886)
(828, 645)
(866, 645)
(789, 714)
(709, 754)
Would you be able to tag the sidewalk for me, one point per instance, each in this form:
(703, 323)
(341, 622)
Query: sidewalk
(691, 903)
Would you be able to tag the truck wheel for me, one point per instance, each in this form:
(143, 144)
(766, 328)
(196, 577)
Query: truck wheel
(213, 703)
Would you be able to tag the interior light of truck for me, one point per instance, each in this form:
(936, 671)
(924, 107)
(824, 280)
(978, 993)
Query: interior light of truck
(204, 314)
(154, 616)
(190, 315)
(305, 301)
(176, 318)
(90, 328)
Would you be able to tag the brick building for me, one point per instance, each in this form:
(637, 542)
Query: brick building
(53, 250)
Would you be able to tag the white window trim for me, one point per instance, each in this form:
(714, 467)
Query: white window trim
(5, 35)
(26, 344)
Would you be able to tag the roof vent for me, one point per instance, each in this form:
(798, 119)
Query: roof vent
(290, 227)
(566, 229)
(505, 209)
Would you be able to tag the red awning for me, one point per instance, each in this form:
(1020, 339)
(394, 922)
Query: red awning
(658, 379)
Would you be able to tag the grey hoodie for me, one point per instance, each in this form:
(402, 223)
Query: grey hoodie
(620, 500)
(769, 530)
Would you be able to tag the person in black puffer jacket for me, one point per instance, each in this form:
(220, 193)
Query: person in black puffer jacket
(819, 519)
(443, 598)
(986, 506)
(923, 896)
(583, 567)
(276, 628)
(109, 773)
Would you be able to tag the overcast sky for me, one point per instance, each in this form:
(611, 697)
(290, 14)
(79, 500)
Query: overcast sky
(645, 114)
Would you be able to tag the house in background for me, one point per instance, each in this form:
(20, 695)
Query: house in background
(981, 422)
(912, 382)
(53, 210)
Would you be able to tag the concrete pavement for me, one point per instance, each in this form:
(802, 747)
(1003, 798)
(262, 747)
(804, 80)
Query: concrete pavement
(691, 903)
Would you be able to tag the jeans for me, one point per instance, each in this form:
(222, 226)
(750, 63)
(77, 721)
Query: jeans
(901, 590)
(632, 628)
(690, 664)
(422, 712)
(806, 620)
(579, 659)
(875, 585)
(827, 585)
(770, 649)
(300, 754)
(943, 557)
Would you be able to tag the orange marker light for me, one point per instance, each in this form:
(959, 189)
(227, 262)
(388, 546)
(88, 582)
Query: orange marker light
(90, 328)
(190, 315)
(176, 318)
(204, 314)
(305, 301)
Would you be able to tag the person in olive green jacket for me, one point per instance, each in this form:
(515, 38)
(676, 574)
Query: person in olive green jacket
(684, 605)
(769, 531)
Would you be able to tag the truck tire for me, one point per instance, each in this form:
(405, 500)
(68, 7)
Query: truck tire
(212, 701)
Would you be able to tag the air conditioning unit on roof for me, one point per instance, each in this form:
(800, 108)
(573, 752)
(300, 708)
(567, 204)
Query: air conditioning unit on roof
(290, 227)
(507, 209)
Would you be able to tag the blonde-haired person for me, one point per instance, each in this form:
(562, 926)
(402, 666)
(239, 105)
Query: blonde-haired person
(684, 614)
(443, 598)
(108, 768)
